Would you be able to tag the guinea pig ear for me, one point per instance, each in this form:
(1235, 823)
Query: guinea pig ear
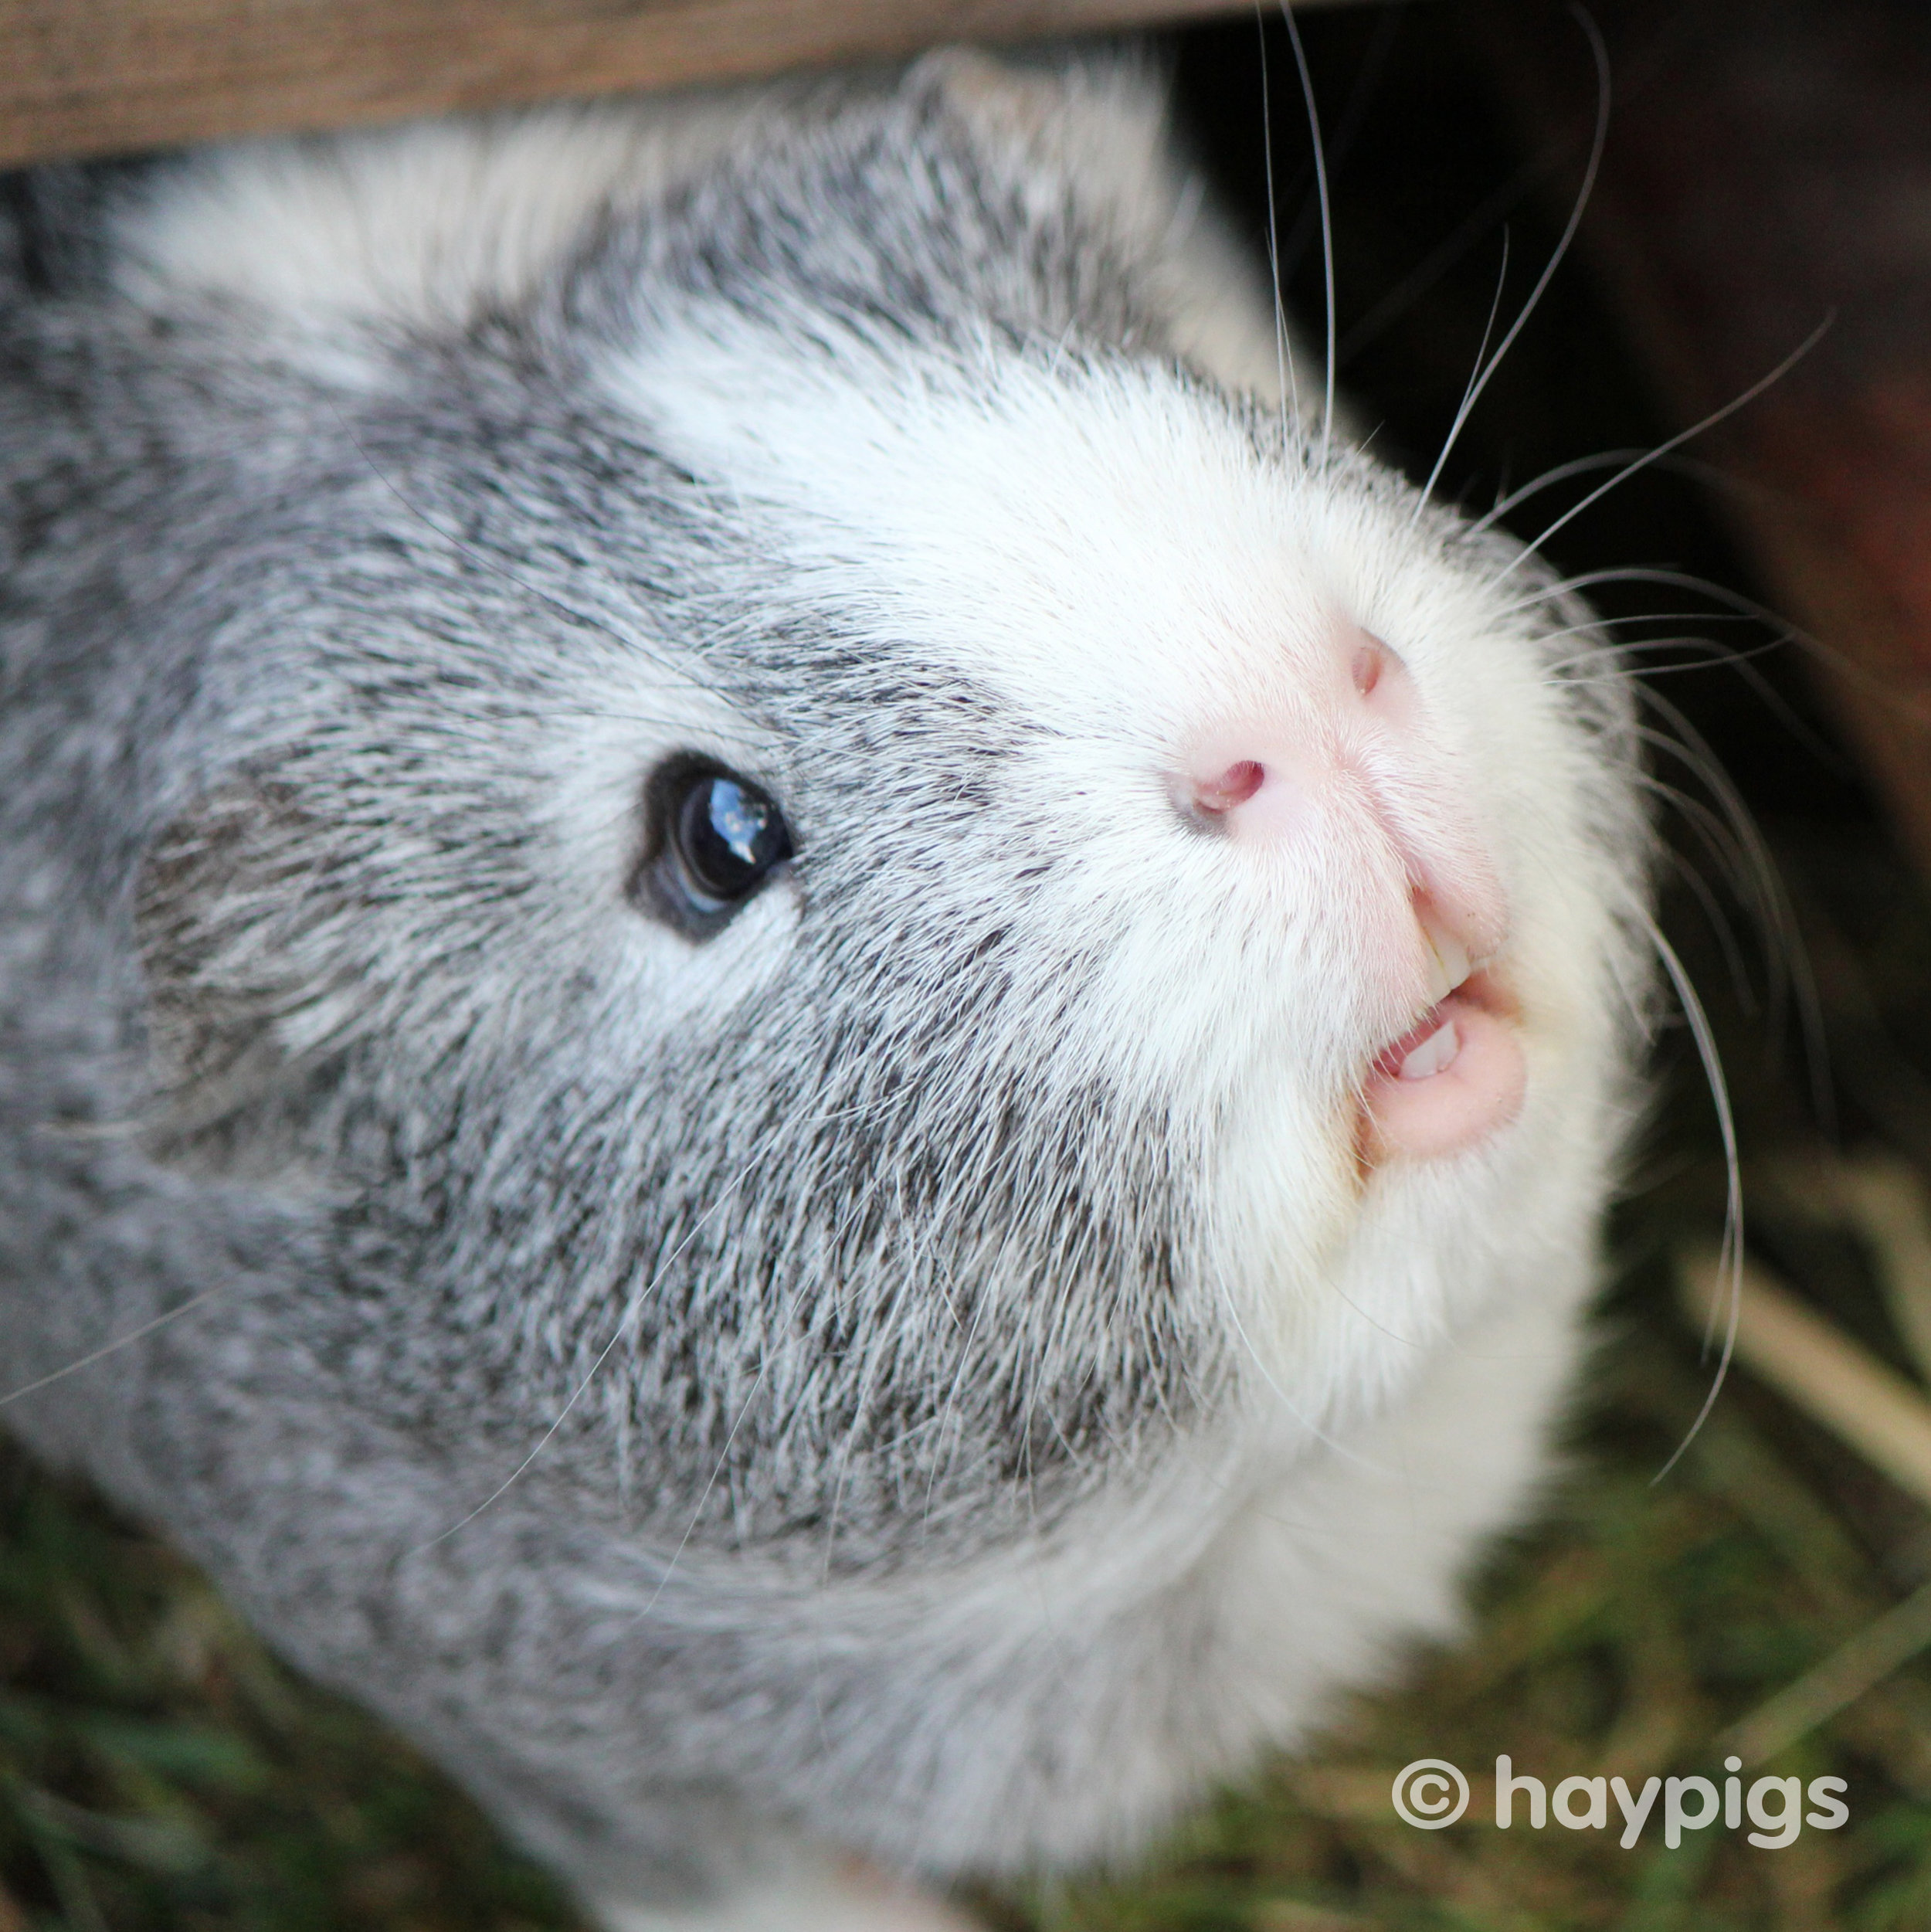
(1081, 121)
(223, 900)
(1089, 132)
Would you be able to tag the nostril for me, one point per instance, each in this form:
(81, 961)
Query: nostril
(1370, 661)
(1234, 787)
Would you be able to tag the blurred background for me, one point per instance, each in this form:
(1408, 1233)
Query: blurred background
(1760, 1584)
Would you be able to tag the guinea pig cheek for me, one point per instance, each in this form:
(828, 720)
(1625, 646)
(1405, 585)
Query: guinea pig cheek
(1452, 1082)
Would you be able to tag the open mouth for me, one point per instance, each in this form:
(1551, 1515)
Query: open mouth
(1454, 1079)
(1425, 1050)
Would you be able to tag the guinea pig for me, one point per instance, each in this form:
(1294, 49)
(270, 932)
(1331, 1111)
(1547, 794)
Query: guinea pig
(806, 1030)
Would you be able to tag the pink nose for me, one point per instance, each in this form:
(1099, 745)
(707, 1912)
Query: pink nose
(1267, 782)
(1228, 797)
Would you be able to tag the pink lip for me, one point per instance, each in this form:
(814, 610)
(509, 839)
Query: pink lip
(1452, 1082)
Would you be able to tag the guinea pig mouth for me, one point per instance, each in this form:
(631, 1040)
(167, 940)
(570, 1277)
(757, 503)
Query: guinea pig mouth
(1454, 1080)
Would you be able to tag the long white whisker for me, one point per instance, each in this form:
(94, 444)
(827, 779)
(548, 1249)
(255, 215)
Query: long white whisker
(1327, 218)
(1468, 389)
(697, 1512)
(1715, 416)
(633, 1308)
(1711, 475)
(119, 1341)
(1707, 828)
(1284, 371)
(1496, 206)
(1312, 1424)
(1708, 825)
(622, 1328)
(1614, 663)
(1761, 879)
(1730, 1257)
(1787, 632)
(1354, 116)
(1561, 472)
(1657, 573)
(1601, 54)
(1787, 956)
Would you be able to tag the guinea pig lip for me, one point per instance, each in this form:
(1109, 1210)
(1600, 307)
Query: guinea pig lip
(1480, 1015)
(1481, 991)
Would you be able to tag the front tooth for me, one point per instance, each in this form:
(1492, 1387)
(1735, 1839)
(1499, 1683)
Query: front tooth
(1449, 963)
(1437, 1051)
(1440, 984)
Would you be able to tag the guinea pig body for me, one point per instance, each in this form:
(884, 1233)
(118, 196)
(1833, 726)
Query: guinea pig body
(828, 1040)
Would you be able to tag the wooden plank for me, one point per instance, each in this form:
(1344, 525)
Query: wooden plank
(103, 77)
(1767, 169)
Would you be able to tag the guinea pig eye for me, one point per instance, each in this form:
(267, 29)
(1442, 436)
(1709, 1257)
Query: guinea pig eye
(722, 838)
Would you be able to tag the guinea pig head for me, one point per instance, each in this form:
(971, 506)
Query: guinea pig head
(981, 915)
(1210, 814)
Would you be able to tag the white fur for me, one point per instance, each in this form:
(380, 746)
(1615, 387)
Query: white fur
(417, 226)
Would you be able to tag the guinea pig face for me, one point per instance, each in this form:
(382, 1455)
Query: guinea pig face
(1205, 815)
(969, 909)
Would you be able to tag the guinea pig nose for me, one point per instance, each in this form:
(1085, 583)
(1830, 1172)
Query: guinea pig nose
(1378, 682)
(1252, 796)
(1234, 787)
(1369, 661)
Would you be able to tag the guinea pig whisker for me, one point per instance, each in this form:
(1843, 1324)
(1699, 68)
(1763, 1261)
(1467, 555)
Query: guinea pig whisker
(1327, 222)
(1730, 1264)
(697, 1509)
(1496, 206)
(1469, 388)
(1738, 608)
(1767, 694)
(1556, 473)
(1688, 746)
(1314, 1427)
(724, 1454)
(1340, 144)
(1675, 442)
(1786, 958)
(1285, 375)
(622, 1329)
(1610, 662)
(1711, 832)
(1674, 461)
(1593, 626)
(1731, 601)
(1700, 889)
(114, 1347)
(1600, 53)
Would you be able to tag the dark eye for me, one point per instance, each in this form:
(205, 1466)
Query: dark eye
(721, 838)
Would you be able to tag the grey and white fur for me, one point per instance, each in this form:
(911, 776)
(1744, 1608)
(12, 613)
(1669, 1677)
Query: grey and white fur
(928, 1374)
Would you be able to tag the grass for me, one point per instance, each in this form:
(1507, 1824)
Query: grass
(158, 1768)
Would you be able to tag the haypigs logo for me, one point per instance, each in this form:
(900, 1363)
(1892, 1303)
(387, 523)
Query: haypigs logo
(1431, 1793)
